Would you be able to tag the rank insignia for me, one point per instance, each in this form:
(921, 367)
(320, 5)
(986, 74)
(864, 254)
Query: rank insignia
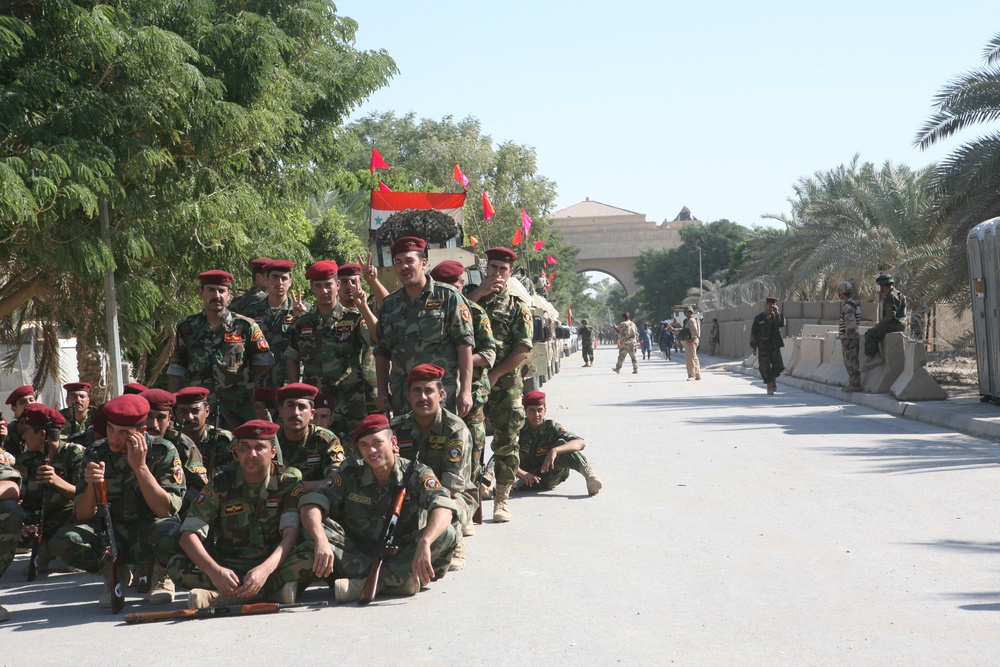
(358, 498)
(233, 508)
(433, 304)
(233, 338)
(256, 335)
(289, 319)
(299, 489)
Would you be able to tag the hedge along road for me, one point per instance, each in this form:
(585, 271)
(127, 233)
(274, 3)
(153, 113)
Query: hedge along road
(733, 529)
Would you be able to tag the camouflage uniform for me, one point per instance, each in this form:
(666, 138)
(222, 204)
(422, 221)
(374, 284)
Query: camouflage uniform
(330, 350)
(225, 447)
(141, 536)
(893, 303)
(11, 520)
(354, 509)
(276, 323)
(486, 346)
(765, 336)
(244, 522)
(221, 361)
(511, 322)
(72, 429)
(628, 337)
(850, 320)
(247, 300)
(13, 444)
(446, 449)
(315, 456)
(195, 472)
(586, 343)
(68, 464)
(425, 330)
(535, 446)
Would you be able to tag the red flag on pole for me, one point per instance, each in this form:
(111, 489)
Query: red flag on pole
(539, 245)
(460, 177)
(569, 316)
(382, 187)
(488, 211)
(473, 241)
(551, 260)
(377, 162)
(517, 237)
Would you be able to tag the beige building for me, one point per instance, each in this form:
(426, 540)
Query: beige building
(610, 238)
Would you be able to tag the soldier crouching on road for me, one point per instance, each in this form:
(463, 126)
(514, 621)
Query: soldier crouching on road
(343, 520)
(549, 451)
(250, 513)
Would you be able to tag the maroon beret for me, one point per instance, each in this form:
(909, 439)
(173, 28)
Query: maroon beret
(216, 277)
(771, 299)
(265, 395)
(257, 429)
(159, 399)
(625, 314)
(19, 393)
(409, 244)
(127, 410)
(322, 270)
(297, 390)
(99, 421)
(371, 424)
(191, 395)
(348, 270)
(77, 386)
(38, 414)
(134, 388)
(259, 265)
(448, 271)
(324, 401)
(280, 265)
(422, 372)
(501, 254)
(534, 398)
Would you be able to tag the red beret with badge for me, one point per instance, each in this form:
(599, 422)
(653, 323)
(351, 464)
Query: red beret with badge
(771, 299)
(19, 393)
(349, 270)
(371, 424)
(99, 421)
(257, 429)
(501, 254)
(448, 271)
(159, 399)
(534, 398)
(77, 386)
(40, 415)
(134, 388)
(297, 390)
(191, 395)
(324, 401)
(216, 277)
(127, 410)
(424, 372)
(259, 265)
(409, 244)
(324, 269)
(280, 265)
(265, 395)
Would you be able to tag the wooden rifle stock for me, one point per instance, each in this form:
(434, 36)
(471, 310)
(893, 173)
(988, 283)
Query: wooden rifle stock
(40, 531)
(110, 557)
(214, 612)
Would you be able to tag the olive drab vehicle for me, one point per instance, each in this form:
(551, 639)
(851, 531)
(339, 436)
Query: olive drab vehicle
(544, 360)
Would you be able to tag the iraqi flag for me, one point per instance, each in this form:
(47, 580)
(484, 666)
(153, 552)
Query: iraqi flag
(384, 204)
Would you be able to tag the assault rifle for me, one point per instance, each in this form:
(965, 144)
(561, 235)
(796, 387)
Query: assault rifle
(215, 612)
(40, 531)
(110, 557)
(214, 444)
(386, 547)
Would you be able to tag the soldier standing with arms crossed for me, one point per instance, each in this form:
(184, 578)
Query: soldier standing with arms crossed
(511, 322)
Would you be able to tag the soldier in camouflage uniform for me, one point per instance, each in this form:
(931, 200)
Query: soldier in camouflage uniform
(343, 520)
(323, 406)
(275, 316)
(587, 343)
(512, 329)
(250, 513)
(443, 443)
(159, 425)
(193, 412)
(766, 341)
(313, 450)
(328, 345)
(893, 317)
(628, 338)
(258, 292)
(847, 332)
(549, 451)
(423, 322)
(484, 355)
(145, 483)
(18, 399)
(265, 402)
(77, 412)
(51, 469)
(11, 520)
(221, 351)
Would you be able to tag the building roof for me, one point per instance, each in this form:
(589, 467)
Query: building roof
(592, 209)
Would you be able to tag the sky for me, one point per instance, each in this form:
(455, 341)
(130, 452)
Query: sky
(652, 106)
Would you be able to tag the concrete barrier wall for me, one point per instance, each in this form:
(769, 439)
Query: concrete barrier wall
(810, 357)
(915, 383)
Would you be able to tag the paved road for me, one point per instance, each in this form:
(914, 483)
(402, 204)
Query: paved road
(734, 529)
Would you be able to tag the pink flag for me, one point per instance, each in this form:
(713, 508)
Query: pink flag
(488, 211)
(551, 260)
(525, 222)
(377, 162)
(460, 177)
(539, 245)
(382, 187)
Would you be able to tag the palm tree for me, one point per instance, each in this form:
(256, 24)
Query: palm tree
(967, 183)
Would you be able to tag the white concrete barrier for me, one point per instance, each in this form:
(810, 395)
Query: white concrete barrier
(793, 345)
(879, 379)
(810, 357)
(786, 353)
(820, 372)
(832, 370)
(915, 383)
(817, 330)
(751, 361)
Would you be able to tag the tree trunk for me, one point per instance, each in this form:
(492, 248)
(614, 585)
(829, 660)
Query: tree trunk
(89, 359)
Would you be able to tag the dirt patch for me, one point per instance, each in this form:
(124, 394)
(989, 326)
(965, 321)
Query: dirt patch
(956, 373)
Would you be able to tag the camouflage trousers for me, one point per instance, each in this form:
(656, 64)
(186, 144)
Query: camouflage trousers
(587, 350)
(852, 361)
(11, 520)
(475, 421)
(188, 575)
(559, 473)
(691, 358)
(351, 561)
(154, 541)
(770, 363)
(506, 413)
(629, 349)
(875, 335)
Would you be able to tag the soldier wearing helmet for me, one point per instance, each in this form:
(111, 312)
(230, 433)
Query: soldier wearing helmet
(893, 316)
(850, 319)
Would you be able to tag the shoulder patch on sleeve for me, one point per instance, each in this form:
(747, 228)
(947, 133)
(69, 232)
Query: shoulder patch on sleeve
(179, 475)
(464, 310)
(525, 315)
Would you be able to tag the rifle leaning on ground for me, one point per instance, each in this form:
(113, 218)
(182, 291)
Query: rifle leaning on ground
(110, 557)
(386, 547)
(214, 612)
(214, 444)
(40, 530)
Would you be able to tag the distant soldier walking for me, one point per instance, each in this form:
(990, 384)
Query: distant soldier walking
(586, 343)
(628, 338)
(893, 316)
(766, 341)
(850, 319)
(691, 335)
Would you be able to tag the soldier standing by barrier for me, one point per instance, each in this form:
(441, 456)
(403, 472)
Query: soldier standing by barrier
(766, 341)
(628, 338)
(850, 320)
(893, 316)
